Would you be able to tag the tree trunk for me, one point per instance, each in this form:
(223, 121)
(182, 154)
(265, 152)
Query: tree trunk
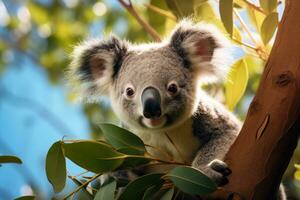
(262, 151)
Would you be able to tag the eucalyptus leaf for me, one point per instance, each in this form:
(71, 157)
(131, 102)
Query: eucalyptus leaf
(10, 159)
(181, 8)
(168, 194)
(205, 12)
(226, 13)
(239, 4)
(236, 83)
(132, 161)
(255, 17)
(25, 198)
(82, 193)
(155, 19)
(268, 5)
(151, 191)
(122, 139)
(237, 35)
(136, 188)
(107, 190)
(94, 156)
(191, 181)
(268, 27)
(56, 167)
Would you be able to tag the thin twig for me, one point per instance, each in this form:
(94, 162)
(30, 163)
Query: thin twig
(259, 50)
(79, 183)
(244, 44)
(80, 174)
(161, 11)
(129, 7)
(252, 5)
(83, 185)
(244, 26)
(156, 159)
(174, 145)
(159, 150)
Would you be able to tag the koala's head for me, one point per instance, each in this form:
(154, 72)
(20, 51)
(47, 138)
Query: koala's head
(152, 86)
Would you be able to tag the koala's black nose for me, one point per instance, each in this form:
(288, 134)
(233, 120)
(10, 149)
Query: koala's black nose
(151, 103)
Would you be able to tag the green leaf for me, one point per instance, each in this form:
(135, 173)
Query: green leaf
(130, 162)
(268, 27)
(268, 5)
(10, 159)
(239, 4)
(226, 13)
(237, 35)
(181, 8)
(256, 18)
(94, 156)
(136, 188)
(236, 83)
(168, 195)
(155, 19)
(122, 139)
(82, 193)
(56, 167)
(151, 191)
(191, 181)
(25, 198)
(205, 12)
(107, 191)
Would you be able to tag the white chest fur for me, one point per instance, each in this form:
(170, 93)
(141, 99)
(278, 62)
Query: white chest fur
(177, 144)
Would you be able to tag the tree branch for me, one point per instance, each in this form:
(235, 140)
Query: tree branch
(264, 147)
(162, 12)
(129, 7)
(252, 5)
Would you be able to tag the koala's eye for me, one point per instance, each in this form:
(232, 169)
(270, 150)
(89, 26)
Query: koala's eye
(172, 88)
(129, 92)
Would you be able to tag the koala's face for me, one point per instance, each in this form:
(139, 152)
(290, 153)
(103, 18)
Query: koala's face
(151, 86)
(153, 90)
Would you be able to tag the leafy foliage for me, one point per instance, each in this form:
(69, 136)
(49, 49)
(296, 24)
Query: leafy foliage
(191, 181)
(122, 139)
(268, 27)
(94, 156)
(10, 159)
(107, 190)
(26, 198)
(226, 12)
(103, 158)
(236, 83)
(56, 167)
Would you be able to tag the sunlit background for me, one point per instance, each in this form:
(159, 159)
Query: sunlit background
(36, 106)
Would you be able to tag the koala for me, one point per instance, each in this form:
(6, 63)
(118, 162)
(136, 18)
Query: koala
(155, 91)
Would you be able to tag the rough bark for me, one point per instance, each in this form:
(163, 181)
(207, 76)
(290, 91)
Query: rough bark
(262, 151)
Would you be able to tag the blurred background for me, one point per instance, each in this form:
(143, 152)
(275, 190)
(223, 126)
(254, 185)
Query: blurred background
(36, 106)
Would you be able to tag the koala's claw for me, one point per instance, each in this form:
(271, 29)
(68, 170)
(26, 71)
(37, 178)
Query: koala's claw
(218, 171)
(220, 166)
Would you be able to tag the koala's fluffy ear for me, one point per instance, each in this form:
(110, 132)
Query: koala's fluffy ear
(202, 48)
(94, 65)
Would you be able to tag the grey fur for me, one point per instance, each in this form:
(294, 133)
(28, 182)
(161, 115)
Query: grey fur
(217, 128)
(193, 128)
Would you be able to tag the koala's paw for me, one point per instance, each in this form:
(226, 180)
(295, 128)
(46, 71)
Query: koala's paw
(218, 171)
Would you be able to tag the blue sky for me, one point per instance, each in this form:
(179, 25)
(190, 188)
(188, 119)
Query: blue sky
(26, 132)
